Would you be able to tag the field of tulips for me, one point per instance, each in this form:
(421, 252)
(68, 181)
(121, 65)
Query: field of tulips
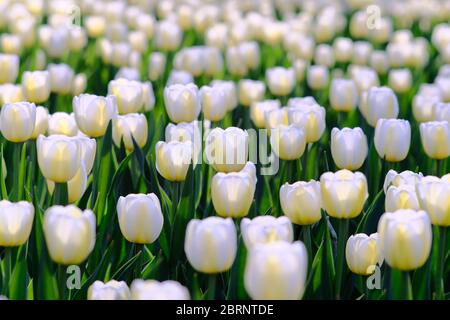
(229, 150)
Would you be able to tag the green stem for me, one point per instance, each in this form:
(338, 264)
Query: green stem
(308, 243)
(137, 268)
(60, 194)
(19, 170)
(440, 290)
(62, 279)
(340, 261)
(305, 163)
(6, 270)
(211, 286)
(406, 289)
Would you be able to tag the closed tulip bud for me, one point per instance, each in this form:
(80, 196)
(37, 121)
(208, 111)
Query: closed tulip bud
(58, 157)
(213, 103)
(317, 77)
(179, 77)
(343, 49)
(309, 117)
(182, 102)
(301, 202)
(93, 113)
(211, 244)
(288, 142)
(232, 193)
(155, 290)
(61, 78)
(379, 61)
(11, 43)
(402, 197)
(275, 118)
(78, 38)
(258, 110)
(229, 88)
(95, 25)
(235, 62)
(399, 179)
(184, 131)
(266, 229)
(111, 290)
(250, 52)
(343, 193)
(10, 93)
(434, 197)
(138, 40)
(173, 159)
(128, 127)
(324, 55)
(441, 111)
(140, 217)
(156, 65)
(281, 81)
(16, 220)
(40, 60)
(300, 66)
(348, 148)
(250, 91)
(276, 271)
(343, 95)
(392, 139)
(75, 186)
(400, 80)
(227, 150)
(62, 123)
(69, 234)
(148, 96)
(9, 68)
(405, 238)
(36, 86)
(79, 84)
(364, 77)
(363, 253)
(41, 122)
(361, 52)
(17, 121)
(168, 35)
(120, 54)
(423, 107)
(55, 40)
(435, 137)
(381, 103)
(128, 95)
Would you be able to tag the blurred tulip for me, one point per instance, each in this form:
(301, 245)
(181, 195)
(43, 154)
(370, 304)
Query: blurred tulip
(250, 91)
(156, 65)
(317, 77)
(75, 186)
(17, 121)
(128, 127)
(423, 107)
(11, 93)
(128, 95)
(79, 84)
(343, 95)
(349, 148)
(173, 159)
(343, 49)
(435, 137)
(402, 197)
(393, 178)
(168, 36)
(381, 103)
(36, 86)
(62, 123)
(392, 139)
(309, 117)
(441, 111)
(281, 81)
(9, 68)
(288, 142)
(213, 103)
(229, 87)
(111, 290)
(41, 122)
(258, 110)
(61, 78)
(363, 253)
(266, 229)
(16, 220)
(400, 80)
(182, 102)
(155, 290)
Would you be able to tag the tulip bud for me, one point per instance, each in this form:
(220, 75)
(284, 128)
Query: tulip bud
(288, 142)
(400, 80)
(281, 81)
(211, 244)
(435, 137)
(79, 84)
(182, 102)
(392, 139)
(61, 78)
(69, 233)
(275, 118)
(379, 62)
(434, 197)
(9, 68)
(173, 159)
(229, 88)
(41, 122)
(402, 197)
(405, 238)
(16, 220)
(343, 193)
(309, 117)
(111, 290)
(423, 107)
(75, 186)
(441, 111)
(140, 217)
(300, 66)
(17, 121)
(266, 229)
(36, 86)
(364, 77)
(276, 270)
(250, 91)
(399, 179)
(343, 95)
(232, 193)
(179, 77)
(213, 103)
(324, 55)
(10, 93)
(58, 157)
(62, 123)
(363, 253)
(148, 96)
(95, 26)
(11, 43)
(156, 65)
(128, 95)
(381, 103)
(155, 290)
(258, 110)
(93, 113)
(128, 127)
(78, 38)
(168, 36)
(349, 148)
(227, 150)
(343, 49)
(361, 52)
(317, 77)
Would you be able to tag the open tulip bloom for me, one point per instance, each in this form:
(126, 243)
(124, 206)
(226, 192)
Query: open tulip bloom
(226, 150)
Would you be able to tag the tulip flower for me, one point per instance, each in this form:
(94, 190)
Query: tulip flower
(400, 80)
(130, 126)
(363, 253)
(148, 96)
(317, 77)
(36, 86)
(62, 123)
(250, 91)
(69, 234)
(434, 197)
(281, 81)
(182, 102)
(258, 110)
(266, 229)
(309, 117)
(441, 111)
(11, 93)
(211, 244)
(75, 186)
(435, 137)
(393, 178)
(128, 95)
(232, 193)
(229, 87)
(213, 103)
(173, 159)
(276, 270)
(16, 220)
(9, 68)
(41, 122)
(423, 107)
(140, 217)
(168, 35)
(348, 148)
(275, 118)
(343, 95)
(392, 139)
(17, 121)
(402, 197)
(381, 103)
(155, 290)
(111, 290)
(288, 142)
(324, 55)
(156, 65)
(61, 78)
(343, 49)
(79, 84)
